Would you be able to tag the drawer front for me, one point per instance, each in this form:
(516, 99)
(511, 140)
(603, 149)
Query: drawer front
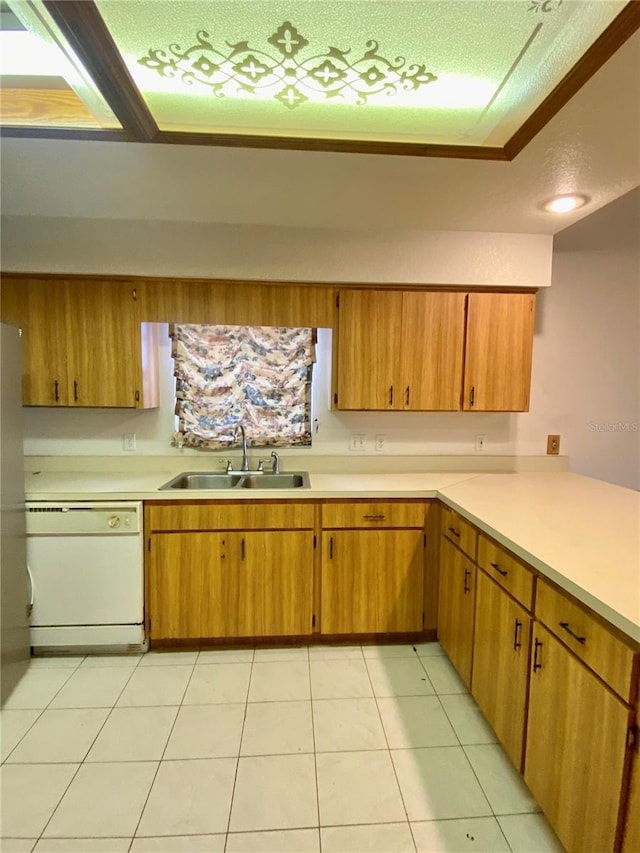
(604, 652)
(379, 514)
(506, 571)
(459, 531)
(203, 516)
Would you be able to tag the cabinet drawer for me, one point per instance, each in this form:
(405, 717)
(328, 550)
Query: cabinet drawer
(459, 531)
(506, 571)
(605, 653)
(379, 514)
(211, 516)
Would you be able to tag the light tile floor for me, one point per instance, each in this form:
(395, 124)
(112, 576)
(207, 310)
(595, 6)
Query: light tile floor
(334, 749)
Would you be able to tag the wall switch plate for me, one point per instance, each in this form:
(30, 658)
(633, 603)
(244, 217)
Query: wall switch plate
(480, 442)
(357, 442)
(380, 443)
(553, 445)
(129, 441)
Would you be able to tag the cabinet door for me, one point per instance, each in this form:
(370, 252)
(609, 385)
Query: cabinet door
(103, 349)
(349, 561)
(576, 747)
(501, 664)
(399, 580)
(182, 566)
(275, 581)
(456, 607)
(631, 839)
(46, 332)
(432, 350)
(497, 373)
(368, 350)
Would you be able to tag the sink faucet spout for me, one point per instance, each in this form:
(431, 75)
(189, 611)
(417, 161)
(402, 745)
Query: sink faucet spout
(245, 458)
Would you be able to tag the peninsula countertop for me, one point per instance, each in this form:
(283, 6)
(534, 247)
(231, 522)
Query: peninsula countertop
(582, 533)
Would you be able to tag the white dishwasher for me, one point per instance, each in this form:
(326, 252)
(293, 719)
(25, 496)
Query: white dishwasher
(86, 566)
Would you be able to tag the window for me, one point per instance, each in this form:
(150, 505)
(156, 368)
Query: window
(257, 376)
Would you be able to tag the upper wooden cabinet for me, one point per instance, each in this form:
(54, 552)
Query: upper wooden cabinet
(498, 351)
(84, 343)
(433, 351)
(399, 351)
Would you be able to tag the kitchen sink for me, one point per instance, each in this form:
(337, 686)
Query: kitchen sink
(238, 480)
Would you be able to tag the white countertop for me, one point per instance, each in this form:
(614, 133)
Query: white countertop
(582, 533)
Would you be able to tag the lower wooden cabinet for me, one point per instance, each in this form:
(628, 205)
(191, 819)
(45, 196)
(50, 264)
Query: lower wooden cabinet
(501, 664)
(456, 607)
(576, 747)
(372, 581)
(631, 838)
(230, 584)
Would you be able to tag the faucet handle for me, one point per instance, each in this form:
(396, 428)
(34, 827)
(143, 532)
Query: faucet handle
(261, 465)
(229, 467)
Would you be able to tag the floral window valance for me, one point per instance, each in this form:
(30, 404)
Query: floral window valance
(257, 376)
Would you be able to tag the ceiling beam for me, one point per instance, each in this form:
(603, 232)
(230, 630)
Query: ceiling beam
(82, 25)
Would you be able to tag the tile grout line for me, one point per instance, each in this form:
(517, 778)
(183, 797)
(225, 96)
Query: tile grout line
(315, 754)
(235, 775)
(155, 775)
(81, 763)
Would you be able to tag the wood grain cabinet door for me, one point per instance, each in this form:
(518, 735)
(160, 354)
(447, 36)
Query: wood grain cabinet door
(368, 355)
(576, 747)
(432, 351)
(501, 664)
(103, 349)
(180, 569)
(349, 595)
(456, 607)
(399, 580)
(499, 345)
(46, 366)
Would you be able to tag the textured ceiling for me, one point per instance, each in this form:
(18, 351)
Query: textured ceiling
(592, 146)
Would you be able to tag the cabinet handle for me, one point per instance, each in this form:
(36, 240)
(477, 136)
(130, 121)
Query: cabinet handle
(498, 569)
(472, 395)
(242, 549)
(407, 393)
(373, 517)
(536, 664)
(56, 396)
(516, 641)
(391, 395)
(467, 574)
(331, 548)
(581, 640)
(454, 531)
(75, 390)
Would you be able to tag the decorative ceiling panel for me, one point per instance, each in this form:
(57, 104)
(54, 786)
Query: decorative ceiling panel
(464, 72)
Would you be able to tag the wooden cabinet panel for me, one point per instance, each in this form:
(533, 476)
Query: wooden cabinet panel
(631, 837)
(576, 747)
(46, 367)
(459, 531)
(432, 350)
(498, 353)
(607, 655)
(456, 607)
(369, 341)
(501, 664)
(508, 572)
(372, 581)
(374, 514)
(179, 569)
(205, 515)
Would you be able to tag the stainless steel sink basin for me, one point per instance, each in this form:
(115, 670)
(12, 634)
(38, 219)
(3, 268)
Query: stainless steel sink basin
(238, 480)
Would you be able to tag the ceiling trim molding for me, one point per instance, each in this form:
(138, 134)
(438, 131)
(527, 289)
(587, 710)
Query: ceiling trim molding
(616, 34)
(82, 25)
(85, 29)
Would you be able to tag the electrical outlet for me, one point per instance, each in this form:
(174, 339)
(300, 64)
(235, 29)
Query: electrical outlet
(380, 443)
(480, 442)
(553, 445)
(357, 442)
(129, 441)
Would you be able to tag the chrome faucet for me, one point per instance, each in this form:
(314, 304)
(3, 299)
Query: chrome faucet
(245, 458)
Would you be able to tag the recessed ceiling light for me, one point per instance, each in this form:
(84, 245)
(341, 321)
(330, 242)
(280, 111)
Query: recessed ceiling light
(565, 203)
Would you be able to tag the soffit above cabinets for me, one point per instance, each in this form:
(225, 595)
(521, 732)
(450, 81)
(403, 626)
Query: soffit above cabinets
(465, 78)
